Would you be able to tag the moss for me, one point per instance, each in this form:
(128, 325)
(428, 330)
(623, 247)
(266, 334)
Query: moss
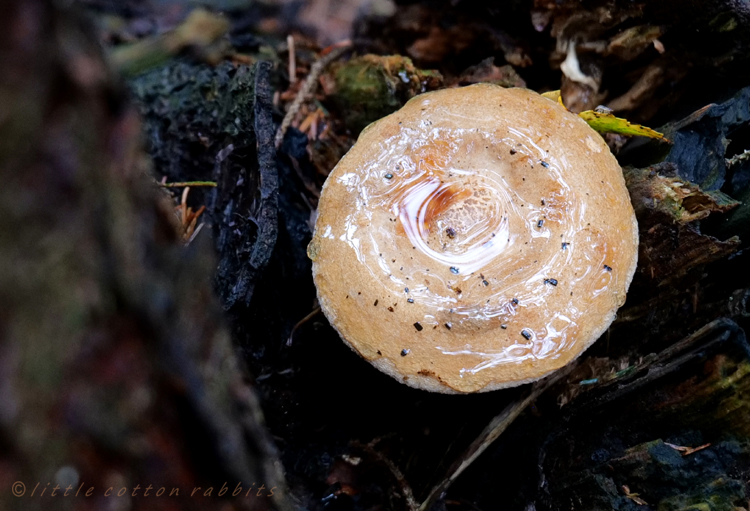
(371, 86)
(719, 495)
(192, 111)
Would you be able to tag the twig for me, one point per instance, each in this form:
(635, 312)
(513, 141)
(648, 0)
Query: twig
(687, 451)
(406, 490)
(308, 88)
(301, 322)
(633, 496)
(491, 433)
(188, 217)
(184, 207)
(292, 59)
(187, 183)
(195, 233)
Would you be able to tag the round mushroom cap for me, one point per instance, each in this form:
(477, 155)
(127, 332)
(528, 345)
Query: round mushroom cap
(476, 239)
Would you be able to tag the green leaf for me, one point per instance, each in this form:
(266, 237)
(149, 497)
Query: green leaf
(607, 123)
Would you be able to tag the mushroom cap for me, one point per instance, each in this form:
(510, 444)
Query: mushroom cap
(476, 239)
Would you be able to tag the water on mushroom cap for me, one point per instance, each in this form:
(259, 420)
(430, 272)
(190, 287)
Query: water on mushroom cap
(458, 199)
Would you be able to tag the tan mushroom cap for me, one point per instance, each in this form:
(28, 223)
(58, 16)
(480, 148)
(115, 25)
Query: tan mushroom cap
(478, 238)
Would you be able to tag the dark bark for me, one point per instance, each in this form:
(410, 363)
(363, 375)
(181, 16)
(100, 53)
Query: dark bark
(206, 122)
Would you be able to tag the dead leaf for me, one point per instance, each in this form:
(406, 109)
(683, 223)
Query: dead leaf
(633, 496)
(687, 451)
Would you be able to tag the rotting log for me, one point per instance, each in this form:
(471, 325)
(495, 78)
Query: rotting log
(674, 431)
(206, 122)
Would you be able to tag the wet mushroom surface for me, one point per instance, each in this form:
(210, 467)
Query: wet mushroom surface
(478, 238)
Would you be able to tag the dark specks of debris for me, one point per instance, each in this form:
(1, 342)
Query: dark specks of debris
(389, 176)
(406, 290)
(449, 325)
(540, 223)
(390, 309)
(451, 232)
(512, 151)
(410, 300)
(485, 283)
(376, 303)
(565, 245)
(454, 270)
(515, 301)
(526, 334)
(418, 326)
(544, 164)
(608, 268)
(503, 326)
(379, 352)
(543, 202)
(551, 281)
(404, 352)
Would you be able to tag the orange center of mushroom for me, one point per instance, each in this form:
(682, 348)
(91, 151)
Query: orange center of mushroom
(426, 193)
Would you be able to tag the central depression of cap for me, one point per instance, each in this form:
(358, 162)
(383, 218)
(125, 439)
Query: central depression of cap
(476, 239)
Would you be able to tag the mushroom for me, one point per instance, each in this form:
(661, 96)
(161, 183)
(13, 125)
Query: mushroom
(476, 239)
